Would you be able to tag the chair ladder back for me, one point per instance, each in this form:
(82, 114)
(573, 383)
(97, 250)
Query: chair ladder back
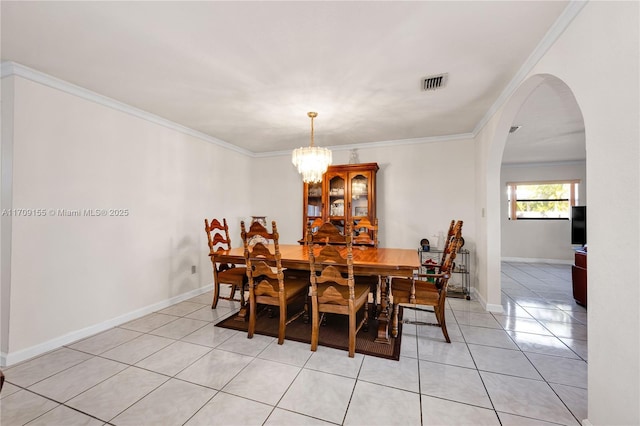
(330, 264)
(327, 232)
(259, 259)
(367, 232)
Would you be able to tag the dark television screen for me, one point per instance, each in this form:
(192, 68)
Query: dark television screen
(579, 225)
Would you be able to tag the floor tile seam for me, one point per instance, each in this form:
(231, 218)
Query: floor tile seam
(564, 323)
(202, 406)
(98, 334)
(519, 270)
(194, 361)
(537, 379)
(480, 375)
(153, 329)
(550, 333)
(289, 364)
(418, 360)
(300, 414)
(335, 374)
(463, 403)
(528, 417)
(8, 371)
(81, 362)
(548, 383)
(391, 386)
(59, 404)
(562, 400)
(103, 356)
(289, 387)
(65, 403)
(159, 335)
(138, 400)
(495, 347)
(557, 356)
(206, 323)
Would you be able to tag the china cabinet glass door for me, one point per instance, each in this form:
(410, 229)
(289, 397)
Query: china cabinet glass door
(337, 198)
(359, 196)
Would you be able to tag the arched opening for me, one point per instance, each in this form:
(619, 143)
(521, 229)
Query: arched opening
(495, 191)
(553, 330)
(545, 156)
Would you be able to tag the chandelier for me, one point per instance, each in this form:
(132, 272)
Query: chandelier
(311, 161)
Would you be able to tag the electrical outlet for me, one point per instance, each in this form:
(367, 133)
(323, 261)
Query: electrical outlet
(193, 269)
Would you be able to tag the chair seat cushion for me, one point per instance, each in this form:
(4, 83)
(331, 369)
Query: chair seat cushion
(361, 292)
(293, 286)
(233, 276)
(425, 292)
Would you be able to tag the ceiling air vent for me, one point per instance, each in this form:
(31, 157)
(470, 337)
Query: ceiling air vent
(434, 82)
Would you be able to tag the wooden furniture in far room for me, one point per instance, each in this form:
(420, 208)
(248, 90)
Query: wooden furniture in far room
(418, 291)
(223, 273)
(333, 293)
(347, 193)
(579, 277)
(267, 283)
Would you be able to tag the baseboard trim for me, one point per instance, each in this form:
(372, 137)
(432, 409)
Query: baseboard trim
(489, 307)
(536, 260)
(8, 359)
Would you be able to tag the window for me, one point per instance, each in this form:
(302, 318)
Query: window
(542, 200)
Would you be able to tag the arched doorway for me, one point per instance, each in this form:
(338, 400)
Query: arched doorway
(493, 171)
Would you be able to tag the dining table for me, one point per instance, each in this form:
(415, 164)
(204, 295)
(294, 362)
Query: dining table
(369, 261)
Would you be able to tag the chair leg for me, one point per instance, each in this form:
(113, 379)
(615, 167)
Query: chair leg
(216, 293)
(252, 317)
(440, 317)
(365, 323)
(352, 334)
(282, 324)
(315, 325)
(394, 321)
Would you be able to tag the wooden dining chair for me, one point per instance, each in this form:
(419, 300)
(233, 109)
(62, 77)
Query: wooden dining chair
(447, 245)
(366, 233)
(224, 273)
(418, 291)
(266, 279)
(326, 232)
(333, 288)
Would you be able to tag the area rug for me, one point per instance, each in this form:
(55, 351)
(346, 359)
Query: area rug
(333, 334)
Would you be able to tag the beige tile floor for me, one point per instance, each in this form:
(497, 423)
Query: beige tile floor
(173, 367)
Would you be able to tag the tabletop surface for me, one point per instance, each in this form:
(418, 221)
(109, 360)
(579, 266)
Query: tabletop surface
(385, 258)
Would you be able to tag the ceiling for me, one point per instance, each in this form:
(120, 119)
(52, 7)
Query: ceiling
(247, 73)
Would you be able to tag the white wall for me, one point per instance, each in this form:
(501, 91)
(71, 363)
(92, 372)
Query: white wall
(598, 58)
(83, 273)
(544, 240)
(69, 274)
(418, 193)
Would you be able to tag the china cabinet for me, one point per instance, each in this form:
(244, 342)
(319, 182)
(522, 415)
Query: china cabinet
(346, 193)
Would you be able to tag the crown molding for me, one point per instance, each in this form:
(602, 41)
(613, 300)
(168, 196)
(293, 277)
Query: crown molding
(12, 68)
(380, 144)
